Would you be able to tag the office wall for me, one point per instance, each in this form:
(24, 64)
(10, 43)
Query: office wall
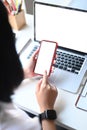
(23, 5)
(82, 4)
(29, 6)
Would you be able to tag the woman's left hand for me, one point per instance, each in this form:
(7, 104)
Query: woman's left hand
(29, 69)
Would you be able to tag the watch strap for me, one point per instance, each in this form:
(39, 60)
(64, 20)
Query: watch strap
(48, 114)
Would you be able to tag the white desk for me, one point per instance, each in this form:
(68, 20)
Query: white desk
(68, 115)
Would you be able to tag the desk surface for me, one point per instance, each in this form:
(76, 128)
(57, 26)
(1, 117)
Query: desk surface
(69, 116)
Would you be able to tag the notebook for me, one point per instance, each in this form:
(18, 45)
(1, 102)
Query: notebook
(81, 101)
(68, 27)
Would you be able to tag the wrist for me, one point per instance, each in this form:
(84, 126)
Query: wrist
(25, 73)
(46, 108)
(48, 114)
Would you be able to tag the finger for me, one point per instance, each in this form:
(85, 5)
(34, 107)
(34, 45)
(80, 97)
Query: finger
(54, 61)
(34, 55)
(56, 56)
(52, 69)
(44, 80)
(53, 87)
(38, 85)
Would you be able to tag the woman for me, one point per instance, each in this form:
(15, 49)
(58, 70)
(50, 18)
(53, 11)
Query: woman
(11, 75)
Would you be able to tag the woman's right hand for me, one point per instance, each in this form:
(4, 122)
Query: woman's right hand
(46, 94)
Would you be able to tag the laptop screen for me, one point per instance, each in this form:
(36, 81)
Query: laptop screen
(65, 25)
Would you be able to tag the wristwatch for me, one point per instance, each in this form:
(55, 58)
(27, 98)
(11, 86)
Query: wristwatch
(48, 114)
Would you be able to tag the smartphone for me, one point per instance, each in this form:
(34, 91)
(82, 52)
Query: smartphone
(47, 52)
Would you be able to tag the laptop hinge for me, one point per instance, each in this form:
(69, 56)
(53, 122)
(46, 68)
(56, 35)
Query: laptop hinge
(73, 51)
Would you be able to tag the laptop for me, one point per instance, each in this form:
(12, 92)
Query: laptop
(68, 27)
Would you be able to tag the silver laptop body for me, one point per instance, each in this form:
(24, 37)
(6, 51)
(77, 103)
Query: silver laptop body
(68, 27)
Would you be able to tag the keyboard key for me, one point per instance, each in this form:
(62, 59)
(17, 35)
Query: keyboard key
(68, 62)
(34, 49)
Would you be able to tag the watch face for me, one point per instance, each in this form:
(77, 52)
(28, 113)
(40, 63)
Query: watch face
(50, 114)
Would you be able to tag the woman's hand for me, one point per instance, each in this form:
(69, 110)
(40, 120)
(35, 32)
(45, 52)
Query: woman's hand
(46, 94)
(29, 69)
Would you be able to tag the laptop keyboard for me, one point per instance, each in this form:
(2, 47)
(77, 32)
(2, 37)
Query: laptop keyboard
(33, 50)
(69, 62)
(64, 61)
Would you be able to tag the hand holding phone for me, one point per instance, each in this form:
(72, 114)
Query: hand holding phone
(46, 56)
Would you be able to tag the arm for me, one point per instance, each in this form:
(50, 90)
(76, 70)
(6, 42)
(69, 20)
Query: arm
(46, 96)
(48, 125)
(45, 93)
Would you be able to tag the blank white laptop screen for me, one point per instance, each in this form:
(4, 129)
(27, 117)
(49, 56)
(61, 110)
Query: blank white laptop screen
(64, 25)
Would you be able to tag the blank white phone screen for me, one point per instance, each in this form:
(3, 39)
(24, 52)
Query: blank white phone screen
(45, 57)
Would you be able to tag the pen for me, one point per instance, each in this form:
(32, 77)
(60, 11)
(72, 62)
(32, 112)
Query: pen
(19, 6)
